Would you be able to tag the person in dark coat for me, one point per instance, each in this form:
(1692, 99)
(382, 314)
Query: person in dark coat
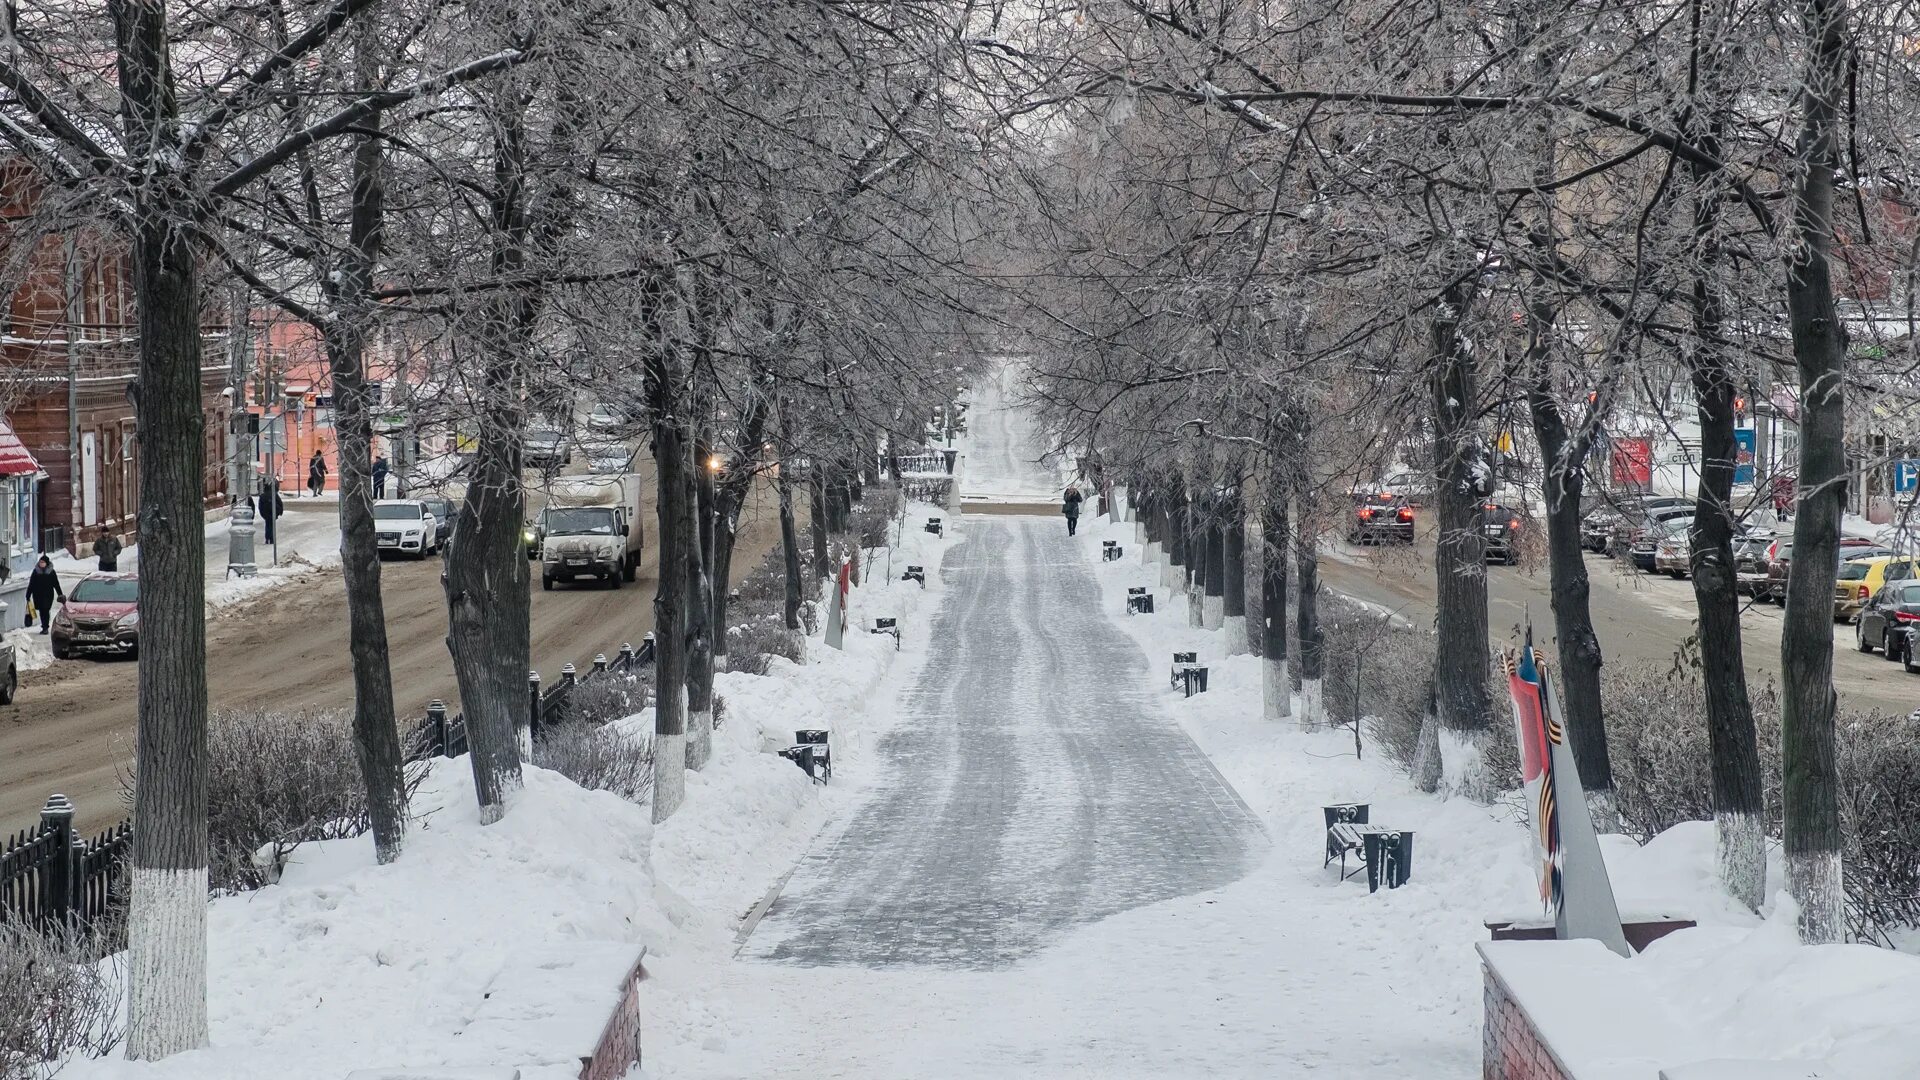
(107, 548)
(1071, 507)
(317, 474)
(269, 498)
(380, 476)
(42, 588)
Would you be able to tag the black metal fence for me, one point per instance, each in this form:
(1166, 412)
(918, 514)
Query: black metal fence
(440, 735)
(51, 875)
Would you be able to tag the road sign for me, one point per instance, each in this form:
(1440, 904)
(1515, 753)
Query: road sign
(1906, 475)
(1745, 443)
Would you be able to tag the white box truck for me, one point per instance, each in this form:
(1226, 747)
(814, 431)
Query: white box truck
(591, 527)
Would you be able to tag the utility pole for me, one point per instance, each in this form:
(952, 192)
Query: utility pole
(240, 515)
(76, 316)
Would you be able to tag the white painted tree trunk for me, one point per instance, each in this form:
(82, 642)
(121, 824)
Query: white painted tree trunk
(1604, 809)
(1740, 851)
(1196, 607)
(1311, 712)
(669, 775)
(1813, 879)
(1276, 690)
(699, 738)
(1213, 612)
(1463, 764)
(1139, 533)
(166, 963)
(1426, 755)
(1235, 627)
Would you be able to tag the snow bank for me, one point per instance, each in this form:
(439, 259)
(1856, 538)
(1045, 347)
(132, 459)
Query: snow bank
(1736, 988)
(31, 649)
(309, 543)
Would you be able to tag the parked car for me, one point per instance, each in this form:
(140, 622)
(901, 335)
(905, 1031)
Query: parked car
(443, 512)
(609, 457)
(1780, 562)
(1645, 550)
(1379, 518)
(1412, 488)
(102, 614)
(1860, 579)
(10, 685)
(1887, 622)
(406, 527)
(546, 448)
(1596, 530)
(1673, 551)
(605, 417)
(1502, 528)
(1750, 562)
(1635, 521)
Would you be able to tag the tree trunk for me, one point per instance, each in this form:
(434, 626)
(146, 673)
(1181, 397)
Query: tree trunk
(789, 533)
(376, 733)
(817, 523)
(671, 451)
(167, 924)
(1213, 612)
(1463, 712)
(699, 610)
(734, 487)
(1579, 646)
(1307, 636)
(1276, 688)
(1176, 520)
(1233, 561)
(1198, 512)
(1809, 778)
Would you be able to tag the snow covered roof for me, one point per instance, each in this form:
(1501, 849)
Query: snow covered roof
(15, 458)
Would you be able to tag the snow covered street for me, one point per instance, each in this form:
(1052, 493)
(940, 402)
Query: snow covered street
(1032, 785)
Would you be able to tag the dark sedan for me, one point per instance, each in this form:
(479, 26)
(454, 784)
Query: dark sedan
(1502, 528)
(1887, 622)
(1380, 519)
(443, 512)
(1780, 563)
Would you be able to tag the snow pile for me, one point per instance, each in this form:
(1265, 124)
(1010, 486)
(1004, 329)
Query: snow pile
(1721, 997)
(347, 965)
(309, 543)
(31, 649)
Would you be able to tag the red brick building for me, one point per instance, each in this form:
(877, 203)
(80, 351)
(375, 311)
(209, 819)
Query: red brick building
(69, 348)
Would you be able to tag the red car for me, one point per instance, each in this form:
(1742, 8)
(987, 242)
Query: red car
(102, 614)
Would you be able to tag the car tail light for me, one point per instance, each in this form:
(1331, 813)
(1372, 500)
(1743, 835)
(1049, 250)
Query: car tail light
(1906, 616)
(1514, 524)
(1365, 513)
(1406, 515)
(1863, 592)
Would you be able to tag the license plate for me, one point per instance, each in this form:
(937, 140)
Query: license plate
(90, 637)
(576, 562)
(389, 543)
(1493, 530)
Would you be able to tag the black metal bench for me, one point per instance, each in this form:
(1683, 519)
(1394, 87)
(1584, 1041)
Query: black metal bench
(811, 753)
(936, 527)
(1181, 662)
(1187, 674)
(1109, 550)
(915, 573)
(1139, 601)
(887, 626)
(1385, 853)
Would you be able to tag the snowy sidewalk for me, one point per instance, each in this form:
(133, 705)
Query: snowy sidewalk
(1033, 785)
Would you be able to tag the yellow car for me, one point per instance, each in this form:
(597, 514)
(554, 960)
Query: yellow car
(1861, 578)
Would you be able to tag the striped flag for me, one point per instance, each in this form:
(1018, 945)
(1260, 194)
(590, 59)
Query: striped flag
(1537, 733)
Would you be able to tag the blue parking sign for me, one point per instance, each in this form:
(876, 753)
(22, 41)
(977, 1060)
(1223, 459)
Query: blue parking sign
(1906, 475)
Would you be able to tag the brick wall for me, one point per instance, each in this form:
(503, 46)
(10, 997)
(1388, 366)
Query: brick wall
(1510, 1048)
(619, 1049)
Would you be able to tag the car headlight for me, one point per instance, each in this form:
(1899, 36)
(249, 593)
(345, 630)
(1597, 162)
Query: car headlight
(60, 618)
(413, 534)
(130, 621)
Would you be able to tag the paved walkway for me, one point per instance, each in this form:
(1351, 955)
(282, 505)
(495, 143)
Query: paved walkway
(1035, 787)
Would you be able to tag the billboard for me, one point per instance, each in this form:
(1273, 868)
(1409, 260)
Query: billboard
(1744, 445)
(1632, 462)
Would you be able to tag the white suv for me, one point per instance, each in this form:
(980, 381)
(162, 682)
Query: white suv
(405, 526)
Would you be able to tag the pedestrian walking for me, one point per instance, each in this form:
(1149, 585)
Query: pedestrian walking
(42, 588)
(107, 549)
(380, 476)
(317, 475)
(269, 507)
(1071, 507)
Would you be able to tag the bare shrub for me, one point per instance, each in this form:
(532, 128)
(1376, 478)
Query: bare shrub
(1879, 759)
(1375, 674)
(873, 518)
(57, 1000)
(1657, 744)
(598, 758)
(605, 698)
(756, 638)
(275, 781)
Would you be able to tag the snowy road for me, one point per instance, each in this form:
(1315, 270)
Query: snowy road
(1034, 784)
(1003, 452)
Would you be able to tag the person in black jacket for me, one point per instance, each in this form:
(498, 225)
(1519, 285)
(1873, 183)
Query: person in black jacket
(42, 587)
(107, 548)
(317, 475)
(1071, 507)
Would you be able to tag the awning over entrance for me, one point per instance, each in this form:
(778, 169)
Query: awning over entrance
(15, 458)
